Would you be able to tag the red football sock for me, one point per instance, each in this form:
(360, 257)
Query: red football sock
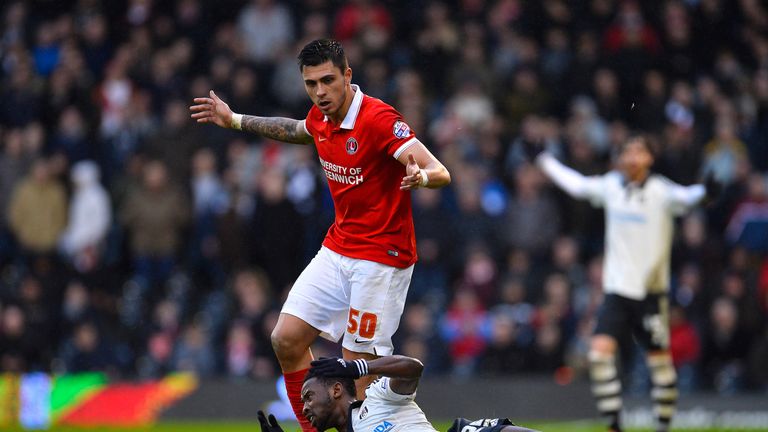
(293, 382)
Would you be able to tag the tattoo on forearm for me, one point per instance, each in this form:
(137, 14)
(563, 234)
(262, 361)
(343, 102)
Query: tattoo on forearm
(278, 128)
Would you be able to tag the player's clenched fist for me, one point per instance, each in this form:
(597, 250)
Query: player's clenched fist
(212, 110)
(339, 368)
(268, 425)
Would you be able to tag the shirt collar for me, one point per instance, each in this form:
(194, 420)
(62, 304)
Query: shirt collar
(352, 406)
(640, 185)
(354, 109)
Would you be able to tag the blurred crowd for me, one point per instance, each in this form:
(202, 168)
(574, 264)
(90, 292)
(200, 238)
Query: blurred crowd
(135, 241)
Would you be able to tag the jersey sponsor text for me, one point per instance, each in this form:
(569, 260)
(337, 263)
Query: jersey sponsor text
(342, 174)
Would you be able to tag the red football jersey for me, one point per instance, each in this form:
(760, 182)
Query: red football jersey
(359, 158)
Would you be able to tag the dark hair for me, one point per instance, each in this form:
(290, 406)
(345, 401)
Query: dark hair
(647, 140)
(347, 383)
(320, 51)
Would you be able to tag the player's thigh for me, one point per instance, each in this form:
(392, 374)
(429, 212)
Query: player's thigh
(612, 323)
(377, 299)
(320, 296)
(651, 327)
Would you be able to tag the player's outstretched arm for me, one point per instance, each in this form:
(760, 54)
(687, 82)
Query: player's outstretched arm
(422, 169)
(214, 110)
(686, 196)
(571, 181)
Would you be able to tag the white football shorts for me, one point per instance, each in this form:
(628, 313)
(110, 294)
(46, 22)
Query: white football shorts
(358, 299)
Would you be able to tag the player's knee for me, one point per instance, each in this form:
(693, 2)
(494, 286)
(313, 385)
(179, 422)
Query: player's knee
(603, 345)
(285, 344)
(662, 369)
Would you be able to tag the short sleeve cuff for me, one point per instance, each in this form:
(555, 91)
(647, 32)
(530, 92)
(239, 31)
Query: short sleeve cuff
(381, 389)
(405, 147)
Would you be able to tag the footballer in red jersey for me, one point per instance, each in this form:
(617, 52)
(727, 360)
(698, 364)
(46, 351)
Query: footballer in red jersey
(354, 289)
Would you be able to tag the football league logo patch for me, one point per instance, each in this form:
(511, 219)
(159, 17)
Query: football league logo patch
(352, 146)
(400, 129)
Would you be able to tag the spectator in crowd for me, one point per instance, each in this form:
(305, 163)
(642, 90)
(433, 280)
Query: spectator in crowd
(175, 143)
(239, 350)
(14, 163)
(365, 20)
(418, 336)
(210, 200)
(725, 348)
(532, 218)
(90, 218)
(267, 29)
(463, 328)
(511, 332)
(277, 229)
(433, 248)
(724, 151)
(18, 351)
(163, 332)
(37, 213)
(748, 225)
(194, 352)
(685, 347)
(76, 307)
(154, 214)
(480, 275)
(87, 351)
(555, 323)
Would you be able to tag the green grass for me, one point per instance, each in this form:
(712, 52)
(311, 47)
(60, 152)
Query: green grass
(578, 426)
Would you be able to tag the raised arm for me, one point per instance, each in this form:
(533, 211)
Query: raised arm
(680, 198)
(687, 196)
(567, 179)
(403, 372)
(214, 110)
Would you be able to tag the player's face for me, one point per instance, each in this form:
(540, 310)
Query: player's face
(319, 404)
(635, 159)
(327, 86)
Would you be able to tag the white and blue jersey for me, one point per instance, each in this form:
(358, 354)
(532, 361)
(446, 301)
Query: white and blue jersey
(383, 410)
(639, 221)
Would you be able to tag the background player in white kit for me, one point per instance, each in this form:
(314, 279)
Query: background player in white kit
(640, 208)
(329, 399)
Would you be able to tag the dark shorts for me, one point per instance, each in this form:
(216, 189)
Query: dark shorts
(646, 320)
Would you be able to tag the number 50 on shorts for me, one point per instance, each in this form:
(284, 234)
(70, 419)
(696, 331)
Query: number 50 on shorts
(364, 324)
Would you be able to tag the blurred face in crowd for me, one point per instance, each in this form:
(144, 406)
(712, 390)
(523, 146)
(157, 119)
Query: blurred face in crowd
(272, 185)
(13, 321)
(41, 171)
(635, 159)
(86, 337)
(329, 88)
(203, 162)
(155, 176)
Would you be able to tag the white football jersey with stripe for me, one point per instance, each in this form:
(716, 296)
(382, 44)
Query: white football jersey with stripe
(639, 222)
(383, 410)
